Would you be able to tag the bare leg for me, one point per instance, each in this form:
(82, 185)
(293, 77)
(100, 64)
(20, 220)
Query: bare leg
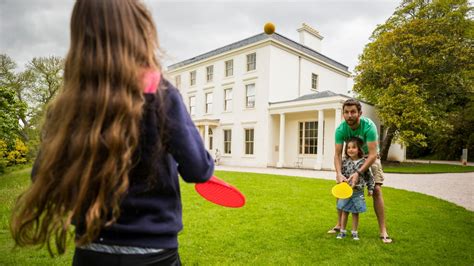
(338, 224)
(355, 221)
(342, 234)
(379, 209)
(339, 215)
(344, 217)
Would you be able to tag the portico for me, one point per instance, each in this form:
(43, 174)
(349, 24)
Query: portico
(206, 128)
(304, 130)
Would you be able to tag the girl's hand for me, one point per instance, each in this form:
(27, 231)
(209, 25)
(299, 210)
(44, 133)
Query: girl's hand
(340, 178)
(354, 179)
(370, 193)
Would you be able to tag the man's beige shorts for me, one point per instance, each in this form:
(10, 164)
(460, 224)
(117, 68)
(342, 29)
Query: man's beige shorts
(377, 171)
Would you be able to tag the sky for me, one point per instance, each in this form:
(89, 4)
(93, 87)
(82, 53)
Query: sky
(34, 28)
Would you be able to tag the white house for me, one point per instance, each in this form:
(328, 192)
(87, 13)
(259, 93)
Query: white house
(268, 101)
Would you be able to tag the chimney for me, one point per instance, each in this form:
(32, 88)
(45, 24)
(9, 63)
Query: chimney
(310, 37)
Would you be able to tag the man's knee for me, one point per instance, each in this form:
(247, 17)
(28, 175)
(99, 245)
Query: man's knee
(377, 191)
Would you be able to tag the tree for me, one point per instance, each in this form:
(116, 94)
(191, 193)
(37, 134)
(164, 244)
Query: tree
(44, 78)
(41, 82)
(418, 69)
(448, 146)
(10, 106)
(24, 97)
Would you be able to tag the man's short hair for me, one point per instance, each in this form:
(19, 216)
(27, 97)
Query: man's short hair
(351, 102)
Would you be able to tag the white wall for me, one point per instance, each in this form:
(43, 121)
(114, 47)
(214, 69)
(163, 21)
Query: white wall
(239, 117)
(283, 75)
(397, 152)
(327, 79)
(309, 40)
(369, 111)
(274, 132)
(329, 140)
(291, 76)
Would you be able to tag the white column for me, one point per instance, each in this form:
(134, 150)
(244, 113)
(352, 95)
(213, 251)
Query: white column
(337, 122)
(319, 157)
(206, 136)
(338, 117)
(281, 147)
(201, 132)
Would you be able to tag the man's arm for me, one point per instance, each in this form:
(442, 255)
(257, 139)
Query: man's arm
(370, 160)
(338, 164)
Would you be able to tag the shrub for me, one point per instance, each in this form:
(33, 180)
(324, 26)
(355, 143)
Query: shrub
(3, 153)
(18, 154)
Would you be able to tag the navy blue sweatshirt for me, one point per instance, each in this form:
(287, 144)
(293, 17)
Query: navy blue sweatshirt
(153, 217)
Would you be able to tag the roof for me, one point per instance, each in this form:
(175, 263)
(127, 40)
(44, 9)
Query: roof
(257, 38)
(312, 96)
(320, 95)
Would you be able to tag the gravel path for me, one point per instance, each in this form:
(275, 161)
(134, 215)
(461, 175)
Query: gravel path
(457, 188)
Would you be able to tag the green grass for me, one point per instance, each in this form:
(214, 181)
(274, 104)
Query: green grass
(284, 223)
(424, 168)
(11, 185)
(439, 158)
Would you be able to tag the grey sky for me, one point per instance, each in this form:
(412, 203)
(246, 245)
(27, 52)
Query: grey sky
(32, 28)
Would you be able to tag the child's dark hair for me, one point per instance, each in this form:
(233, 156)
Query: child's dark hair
(358, 142)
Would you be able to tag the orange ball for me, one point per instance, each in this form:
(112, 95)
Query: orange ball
(269, 28)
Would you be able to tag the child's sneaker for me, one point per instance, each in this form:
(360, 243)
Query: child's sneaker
(341, 235)
(355, 235)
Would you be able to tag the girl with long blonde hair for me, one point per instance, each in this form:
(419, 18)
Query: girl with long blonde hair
(113, 143)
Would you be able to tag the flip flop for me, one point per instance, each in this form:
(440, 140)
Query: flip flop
(386, 239)
(334, 230)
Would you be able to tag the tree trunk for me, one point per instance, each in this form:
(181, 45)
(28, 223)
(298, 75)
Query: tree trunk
(23, 135)
(23, 130)
(387, 141)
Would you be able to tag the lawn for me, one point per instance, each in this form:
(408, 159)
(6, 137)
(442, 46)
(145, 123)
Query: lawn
(425, 168)
(285, 222)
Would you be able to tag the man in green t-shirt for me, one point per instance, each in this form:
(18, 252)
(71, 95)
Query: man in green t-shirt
(355, 125)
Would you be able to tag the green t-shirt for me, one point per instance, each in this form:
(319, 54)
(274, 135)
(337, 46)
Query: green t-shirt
(367, 131)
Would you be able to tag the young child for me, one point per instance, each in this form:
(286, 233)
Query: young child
(113, 143)
(355, 204)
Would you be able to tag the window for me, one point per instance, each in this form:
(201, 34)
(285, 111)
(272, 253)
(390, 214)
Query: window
(209, 73)
(209, 103)
(227, 141)
(308, 137)
(250, 96)
(177, 81)
(229, 68)
(211, 138)
(228, 100)
(192, 78)
(192, 105)
(314, 82)
(251, 61)
(249, 141)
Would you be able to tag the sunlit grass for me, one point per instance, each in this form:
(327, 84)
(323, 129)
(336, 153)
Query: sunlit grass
(285, 222)
(425, 168)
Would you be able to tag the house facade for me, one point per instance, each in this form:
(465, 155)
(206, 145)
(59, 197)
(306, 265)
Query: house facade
(268, 101)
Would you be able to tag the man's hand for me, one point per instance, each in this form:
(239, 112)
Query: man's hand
(354, 178)
(370, 193)
(340, 178)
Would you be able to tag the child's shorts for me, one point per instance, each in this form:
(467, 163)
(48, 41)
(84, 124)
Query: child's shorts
(354, 204)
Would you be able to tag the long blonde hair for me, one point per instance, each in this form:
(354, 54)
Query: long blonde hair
(92, 128)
